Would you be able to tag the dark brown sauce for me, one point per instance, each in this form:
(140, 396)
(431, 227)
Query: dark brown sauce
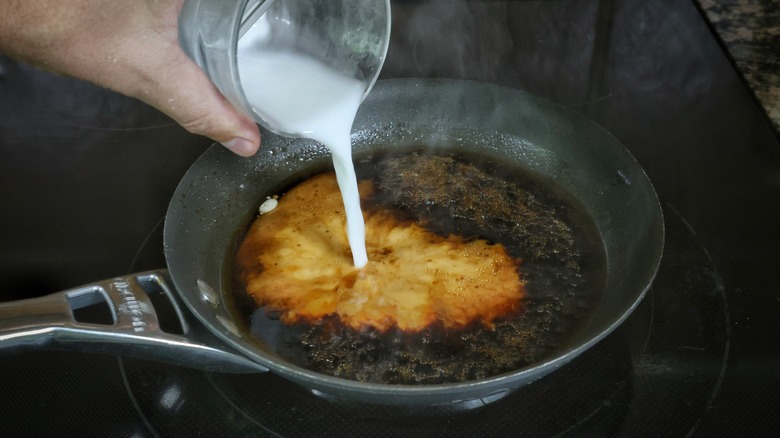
(563, 263)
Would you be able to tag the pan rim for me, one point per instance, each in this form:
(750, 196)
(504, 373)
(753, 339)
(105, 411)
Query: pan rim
(526, 374)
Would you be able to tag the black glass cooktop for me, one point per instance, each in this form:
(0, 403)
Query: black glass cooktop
(86, 175)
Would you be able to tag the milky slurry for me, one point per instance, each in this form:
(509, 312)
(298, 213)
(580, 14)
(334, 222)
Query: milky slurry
(299, 95)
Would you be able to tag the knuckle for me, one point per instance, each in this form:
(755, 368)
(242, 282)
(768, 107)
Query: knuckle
(202, 124)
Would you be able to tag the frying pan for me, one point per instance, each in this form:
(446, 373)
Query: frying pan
(182, 315)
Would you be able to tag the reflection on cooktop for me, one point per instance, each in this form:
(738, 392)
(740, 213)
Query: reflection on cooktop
(665, 361)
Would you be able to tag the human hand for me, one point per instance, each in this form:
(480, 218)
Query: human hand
(129, 46)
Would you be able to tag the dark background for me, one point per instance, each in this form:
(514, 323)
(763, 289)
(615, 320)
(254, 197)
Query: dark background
(86, 175)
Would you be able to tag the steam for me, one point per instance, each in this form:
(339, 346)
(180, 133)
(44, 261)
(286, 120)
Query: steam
(471, 41)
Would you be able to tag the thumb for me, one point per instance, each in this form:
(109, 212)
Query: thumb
(184, 92)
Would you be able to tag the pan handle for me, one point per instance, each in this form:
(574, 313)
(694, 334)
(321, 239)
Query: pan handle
(138, 315)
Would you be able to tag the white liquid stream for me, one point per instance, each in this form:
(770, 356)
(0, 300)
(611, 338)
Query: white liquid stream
(302, 96)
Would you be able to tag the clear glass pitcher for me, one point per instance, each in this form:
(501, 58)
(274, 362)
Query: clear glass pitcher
(348, 36)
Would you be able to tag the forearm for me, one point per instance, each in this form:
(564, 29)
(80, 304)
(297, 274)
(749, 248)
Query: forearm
(35, 32)
(129, 46)
(104, 42)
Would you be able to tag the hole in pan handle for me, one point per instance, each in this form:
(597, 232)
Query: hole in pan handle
(137, 315)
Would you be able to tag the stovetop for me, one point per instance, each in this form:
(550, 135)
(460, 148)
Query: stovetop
(86, 175)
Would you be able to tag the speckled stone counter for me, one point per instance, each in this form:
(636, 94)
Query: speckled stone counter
(750, 31)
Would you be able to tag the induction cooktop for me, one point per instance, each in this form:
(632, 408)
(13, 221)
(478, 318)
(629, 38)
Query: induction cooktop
(86, 175)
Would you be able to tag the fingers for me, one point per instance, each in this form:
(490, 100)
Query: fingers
(183, 91)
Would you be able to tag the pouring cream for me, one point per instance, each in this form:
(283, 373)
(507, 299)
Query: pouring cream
(302, 96)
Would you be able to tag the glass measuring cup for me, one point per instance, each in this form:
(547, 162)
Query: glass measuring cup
(347, 36)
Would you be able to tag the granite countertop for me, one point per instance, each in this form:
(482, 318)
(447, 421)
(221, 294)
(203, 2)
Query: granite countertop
(750, 32)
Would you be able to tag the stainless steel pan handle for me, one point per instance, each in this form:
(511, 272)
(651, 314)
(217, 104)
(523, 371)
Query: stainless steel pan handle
(141, 317)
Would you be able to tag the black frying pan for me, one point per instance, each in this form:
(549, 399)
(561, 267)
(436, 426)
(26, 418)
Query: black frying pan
(215, 199)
